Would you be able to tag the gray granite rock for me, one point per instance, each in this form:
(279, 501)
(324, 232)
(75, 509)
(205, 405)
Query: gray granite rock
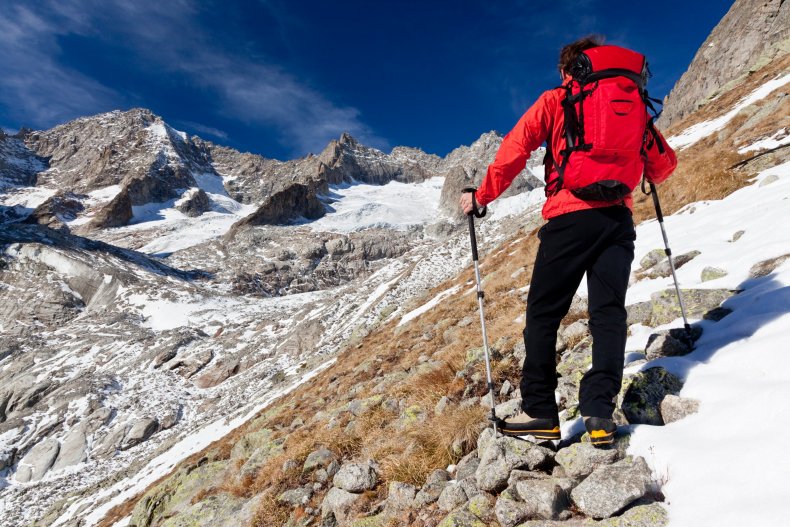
(356, 477)
(505, 454)
(452, 496)
(579, 460)
(645, 391)
(544, 497)
(337, 505)
(674, 408)
(611, 488)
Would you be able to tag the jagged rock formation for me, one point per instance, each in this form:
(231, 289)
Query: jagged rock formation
(750, 35)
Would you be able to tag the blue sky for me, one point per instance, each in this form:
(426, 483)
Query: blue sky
(282, 78)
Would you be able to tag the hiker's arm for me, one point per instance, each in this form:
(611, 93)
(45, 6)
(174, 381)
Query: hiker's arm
(658, 165)
(511, 158)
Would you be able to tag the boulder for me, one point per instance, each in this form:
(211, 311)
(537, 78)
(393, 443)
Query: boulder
(544, 497)
(510, 510)
(467, 466)
(296, 497)
(579, 460)
(37, 461)
(639, 313)
(665, 345)
(505, 454)
(644, 393)
(400, 497)
(429, 493)
(698, 302)
(193, 203)
(651, 515)
(461, 518)
(452, 496)
(218, 373)
(356, 477)
(712, 273)
(141, 431)
(336, 506)
(320, 458)
(74, 449)
(662, 269)
(766, 267)
(674, 408)
(652, 258)
(576, 332)
(611, 488)
(116, 213)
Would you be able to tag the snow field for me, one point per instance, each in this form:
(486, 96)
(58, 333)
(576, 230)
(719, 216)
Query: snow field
(727, 464)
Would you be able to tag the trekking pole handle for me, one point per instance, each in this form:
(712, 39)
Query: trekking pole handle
(477, 212)
(654, 194)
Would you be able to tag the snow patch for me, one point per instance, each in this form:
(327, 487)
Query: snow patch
(429, 305)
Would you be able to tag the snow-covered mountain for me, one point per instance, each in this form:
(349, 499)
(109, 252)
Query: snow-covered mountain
(157, 287)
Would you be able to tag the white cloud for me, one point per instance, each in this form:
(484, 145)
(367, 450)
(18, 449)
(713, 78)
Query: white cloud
(168, 37)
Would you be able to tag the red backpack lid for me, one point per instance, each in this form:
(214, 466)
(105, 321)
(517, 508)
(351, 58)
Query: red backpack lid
(615, 57)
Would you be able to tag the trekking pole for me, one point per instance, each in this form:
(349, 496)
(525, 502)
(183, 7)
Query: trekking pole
(668, 251)
(479, 214)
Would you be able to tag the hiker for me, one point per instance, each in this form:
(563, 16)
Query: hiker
(589, 225)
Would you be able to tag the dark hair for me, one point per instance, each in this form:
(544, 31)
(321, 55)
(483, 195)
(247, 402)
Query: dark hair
(570, 51)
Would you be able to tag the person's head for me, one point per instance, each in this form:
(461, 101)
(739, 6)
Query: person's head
(571, 51)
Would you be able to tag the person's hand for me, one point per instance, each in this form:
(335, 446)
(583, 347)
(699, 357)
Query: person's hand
(466, 202)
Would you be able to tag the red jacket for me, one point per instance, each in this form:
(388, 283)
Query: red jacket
(544, 122)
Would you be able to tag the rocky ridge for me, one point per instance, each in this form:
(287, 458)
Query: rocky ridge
(750, 35)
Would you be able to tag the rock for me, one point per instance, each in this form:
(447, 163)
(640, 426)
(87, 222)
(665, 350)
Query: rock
(544, 497)
(74, 449)
(505, 389)
(698, 302)
(336, 506)
(400, 497)
(438, 476)
(141, 431)
(296, 497)
(773, 178)
(508, 408)
(37, 461)
(766, 267)
(674, 408)
(712, 273)
(451, 497)
(218, 373)
(116, 213)
(218, 510)
(652, 515)
(747, 36)
(356, 477)
(644, 394)
(320, 458)
(510, 511)
(665, 345)
(611, 488)
(576, 332)
(429, 493)
(652, 258)
(579, 460)
(296, 200)
(485, 438)
(737, 236)
(578, 309)
(467, 466)
(505, 454)
(520, 352)
(639, 313)
(461, 518)
(441, 406)
(193, 203)
(482, 505)
(663, 269)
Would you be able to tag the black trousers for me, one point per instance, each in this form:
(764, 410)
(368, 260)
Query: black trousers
(599, 242)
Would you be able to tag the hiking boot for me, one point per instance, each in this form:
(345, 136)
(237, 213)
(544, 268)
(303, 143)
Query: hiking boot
(539, 428)
(601, 430)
